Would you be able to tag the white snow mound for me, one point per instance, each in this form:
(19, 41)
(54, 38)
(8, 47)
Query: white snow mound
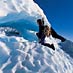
(31, 57)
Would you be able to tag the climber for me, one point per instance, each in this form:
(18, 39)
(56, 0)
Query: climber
(43, 33)
(40, 23)
(49, 31)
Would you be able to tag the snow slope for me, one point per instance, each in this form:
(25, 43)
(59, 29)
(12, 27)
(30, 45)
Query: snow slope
(67, 46)
(22, 53)
(22, 13)
(18, 55)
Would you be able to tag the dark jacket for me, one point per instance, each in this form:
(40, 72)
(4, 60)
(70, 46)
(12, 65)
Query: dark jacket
(41, 31)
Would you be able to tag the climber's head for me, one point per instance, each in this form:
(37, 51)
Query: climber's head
(39, 22)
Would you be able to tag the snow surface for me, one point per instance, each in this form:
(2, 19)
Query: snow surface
(23, 53)
(18, 55)
(22, 13)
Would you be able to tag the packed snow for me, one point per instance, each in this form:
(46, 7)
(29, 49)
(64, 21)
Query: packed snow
(21, 52)
(18, 55)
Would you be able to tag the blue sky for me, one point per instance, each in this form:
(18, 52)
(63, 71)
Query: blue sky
(60, 15)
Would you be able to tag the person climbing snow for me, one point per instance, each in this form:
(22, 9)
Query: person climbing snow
(49, 31)
(43, 33)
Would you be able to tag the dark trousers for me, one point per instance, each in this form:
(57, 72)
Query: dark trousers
(48, 45)
(55, 35)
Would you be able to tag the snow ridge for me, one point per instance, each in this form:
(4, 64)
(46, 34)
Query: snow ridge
(22, 13)
(28, 8)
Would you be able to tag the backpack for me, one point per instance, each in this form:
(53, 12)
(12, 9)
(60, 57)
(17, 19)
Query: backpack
(47, 30)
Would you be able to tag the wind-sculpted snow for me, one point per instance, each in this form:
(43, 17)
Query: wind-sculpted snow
(18, 55)
(67, 46)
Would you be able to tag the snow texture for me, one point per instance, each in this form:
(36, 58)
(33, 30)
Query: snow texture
(18, 55)
(23, 53)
